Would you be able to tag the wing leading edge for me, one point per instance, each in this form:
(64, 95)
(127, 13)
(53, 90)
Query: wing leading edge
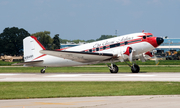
(84, 57)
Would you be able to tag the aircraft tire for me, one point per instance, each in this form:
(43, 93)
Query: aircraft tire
(42, 70)
(135, 68)
(115, 69)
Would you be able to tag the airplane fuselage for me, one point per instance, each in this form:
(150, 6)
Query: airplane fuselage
(139, 42)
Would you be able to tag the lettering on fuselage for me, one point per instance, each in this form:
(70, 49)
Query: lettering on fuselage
(111, 42)
(28, 57)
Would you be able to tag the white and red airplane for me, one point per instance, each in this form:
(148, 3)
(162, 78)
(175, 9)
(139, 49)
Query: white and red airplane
(122, 48)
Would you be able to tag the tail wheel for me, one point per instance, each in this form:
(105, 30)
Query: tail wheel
(42, 70)
(135, 68)
(114, 69)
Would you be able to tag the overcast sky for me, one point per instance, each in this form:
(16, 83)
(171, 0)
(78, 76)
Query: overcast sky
(89, 19)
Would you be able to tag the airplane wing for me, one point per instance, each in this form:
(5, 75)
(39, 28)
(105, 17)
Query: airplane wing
(83, 57)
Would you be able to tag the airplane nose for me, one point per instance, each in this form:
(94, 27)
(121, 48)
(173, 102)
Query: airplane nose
(159, 40)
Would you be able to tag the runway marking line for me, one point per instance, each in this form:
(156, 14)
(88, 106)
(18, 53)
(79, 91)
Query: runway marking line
(63, 76)
(142, 75)
(66, 103)
(8, 74)
(49, 103)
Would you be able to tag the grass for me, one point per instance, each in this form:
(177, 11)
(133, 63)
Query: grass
(103, 69)
(19, 90)
(148, 62)
(151, 62)
(3, 63)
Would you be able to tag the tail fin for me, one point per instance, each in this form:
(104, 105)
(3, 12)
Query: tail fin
(31, 48)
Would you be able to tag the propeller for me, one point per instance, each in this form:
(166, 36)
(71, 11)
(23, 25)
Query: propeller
(156, 60)
(129, 52)
(131, 55)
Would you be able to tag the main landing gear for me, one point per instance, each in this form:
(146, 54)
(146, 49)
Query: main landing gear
(43, 70)
(114, 68)
(135, 68)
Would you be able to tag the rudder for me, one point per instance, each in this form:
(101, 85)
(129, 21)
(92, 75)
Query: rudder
(31, 48)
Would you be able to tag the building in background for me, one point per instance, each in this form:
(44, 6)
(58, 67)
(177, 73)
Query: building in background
(169, 49)
(170, 45)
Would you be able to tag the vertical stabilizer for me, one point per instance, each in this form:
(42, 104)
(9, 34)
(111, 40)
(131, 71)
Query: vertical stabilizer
(31, 48)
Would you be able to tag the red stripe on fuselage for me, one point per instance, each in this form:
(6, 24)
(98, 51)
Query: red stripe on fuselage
(39, 57)
(150, 40)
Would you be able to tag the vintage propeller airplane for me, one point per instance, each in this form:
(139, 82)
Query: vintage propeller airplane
(122, 48)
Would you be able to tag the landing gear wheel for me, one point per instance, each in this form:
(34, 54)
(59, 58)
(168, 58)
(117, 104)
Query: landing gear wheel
(115, 69)
(42, 70)
(135, 68)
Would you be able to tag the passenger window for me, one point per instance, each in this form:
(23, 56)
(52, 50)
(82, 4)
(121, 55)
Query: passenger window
(104, 47)
(97, 49)
(90, 50)
(118, 44)
(126, 43)
(112, 46)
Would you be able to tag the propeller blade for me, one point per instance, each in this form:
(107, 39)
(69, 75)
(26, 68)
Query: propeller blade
(156, 60)
(131, 56)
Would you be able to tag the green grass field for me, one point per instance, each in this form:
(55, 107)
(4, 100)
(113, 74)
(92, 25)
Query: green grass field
(17, 90)
(148, 62)
(149, 66)
(91, 69)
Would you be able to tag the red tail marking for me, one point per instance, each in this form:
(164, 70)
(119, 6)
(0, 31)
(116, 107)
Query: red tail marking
(35, 38)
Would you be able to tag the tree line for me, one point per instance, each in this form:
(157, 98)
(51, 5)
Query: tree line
(11, 40)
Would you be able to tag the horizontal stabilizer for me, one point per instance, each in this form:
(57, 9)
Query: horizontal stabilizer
(27, 63)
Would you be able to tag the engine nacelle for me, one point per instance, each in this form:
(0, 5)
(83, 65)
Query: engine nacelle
(148, 55)
(124, 53)
(145, 56)
(127, 51)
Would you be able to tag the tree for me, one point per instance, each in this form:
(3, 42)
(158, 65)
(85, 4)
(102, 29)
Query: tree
(44, 38)
(56, 42)
(91, 40)
(12, 40)
(105, 37)
(77, 41)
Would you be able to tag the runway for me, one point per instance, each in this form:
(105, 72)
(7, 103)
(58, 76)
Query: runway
(25, 77)
(161, 101)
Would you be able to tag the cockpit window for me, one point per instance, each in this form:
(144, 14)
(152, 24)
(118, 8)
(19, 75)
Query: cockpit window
(149, 36)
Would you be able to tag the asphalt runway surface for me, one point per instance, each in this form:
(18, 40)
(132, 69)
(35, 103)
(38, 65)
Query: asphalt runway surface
(153, 101)
(25, 77)
(158, 101)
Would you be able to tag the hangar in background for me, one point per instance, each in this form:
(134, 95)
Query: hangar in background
(172, 44)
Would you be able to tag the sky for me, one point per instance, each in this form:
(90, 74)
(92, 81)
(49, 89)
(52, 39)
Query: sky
(89, 19)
